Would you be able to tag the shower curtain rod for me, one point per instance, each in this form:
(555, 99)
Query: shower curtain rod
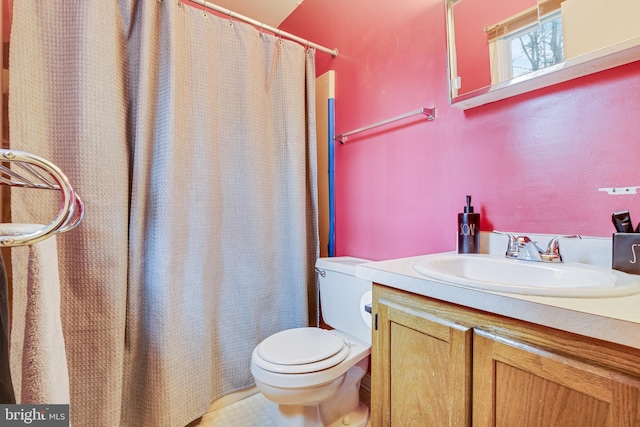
(263, 26)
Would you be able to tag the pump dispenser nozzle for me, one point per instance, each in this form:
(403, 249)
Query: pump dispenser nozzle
(468, 208)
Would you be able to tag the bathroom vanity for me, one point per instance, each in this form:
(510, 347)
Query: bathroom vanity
(454, 356)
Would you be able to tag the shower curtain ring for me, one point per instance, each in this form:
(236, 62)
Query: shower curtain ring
(204, 8)
(230, 18)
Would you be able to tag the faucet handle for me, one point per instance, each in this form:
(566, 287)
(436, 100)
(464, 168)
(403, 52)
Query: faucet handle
(512, 245)
(515, 243)
(553, 248)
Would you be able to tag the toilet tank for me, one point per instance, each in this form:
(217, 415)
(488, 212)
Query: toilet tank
(343, 296)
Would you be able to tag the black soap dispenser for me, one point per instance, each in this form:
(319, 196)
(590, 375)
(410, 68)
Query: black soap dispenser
(468, 230)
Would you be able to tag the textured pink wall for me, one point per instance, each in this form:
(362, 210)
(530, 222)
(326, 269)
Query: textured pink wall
(533, 163)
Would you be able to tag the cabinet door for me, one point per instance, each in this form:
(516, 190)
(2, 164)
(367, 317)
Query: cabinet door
(515, 384)
(421, 367)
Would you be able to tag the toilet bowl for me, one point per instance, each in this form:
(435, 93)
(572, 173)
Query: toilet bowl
(314, 374)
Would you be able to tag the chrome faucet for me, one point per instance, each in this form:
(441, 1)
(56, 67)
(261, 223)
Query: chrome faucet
(523, 248)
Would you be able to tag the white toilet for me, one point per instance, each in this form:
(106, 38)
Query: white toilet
(314, 374)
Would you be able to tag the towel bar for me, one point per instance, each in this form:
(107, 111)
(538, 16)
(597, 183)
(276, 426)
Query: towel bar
(429, 112)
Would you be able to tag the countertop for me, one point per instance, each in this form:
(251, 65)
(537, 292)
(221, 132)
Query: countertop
(614, 319)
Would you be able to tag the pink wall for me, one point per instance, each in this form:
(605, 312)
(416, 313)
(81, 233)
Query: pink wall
(533, 163)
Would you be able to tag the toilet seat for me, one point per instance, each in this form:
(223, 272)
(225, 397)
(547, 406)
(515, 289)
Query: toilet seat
(300, 350)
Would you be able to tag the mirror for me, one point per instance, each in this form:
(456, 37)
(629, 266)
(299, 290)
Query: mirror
(502, 48)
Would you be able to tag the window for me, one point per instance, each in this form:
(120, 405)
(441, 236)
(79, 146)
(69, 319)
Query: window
(527, 41)
(533, 47)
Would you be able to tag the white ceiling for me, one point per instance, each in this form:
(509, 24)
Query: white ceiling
(271, 12)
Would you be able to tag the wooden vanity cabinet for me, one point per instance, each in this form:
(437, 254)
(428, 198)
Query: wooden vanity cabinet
(516, 384)
(437, 364)
(421, 365)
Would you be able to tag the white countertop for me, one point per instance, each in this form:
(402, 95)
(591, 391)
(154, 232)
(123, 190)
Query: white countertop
(614, 319)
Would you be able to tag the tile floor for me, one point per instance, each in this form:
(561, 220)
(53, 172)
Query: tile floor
(252, 411)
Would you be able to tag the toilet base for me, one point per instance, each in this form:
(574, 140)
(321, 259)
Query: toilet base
(358, 418)
(343, 406)
(307, 416)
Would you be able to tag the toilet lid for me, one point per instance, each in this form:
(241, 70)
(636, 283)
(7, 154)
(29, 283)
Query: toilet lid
(301, 350)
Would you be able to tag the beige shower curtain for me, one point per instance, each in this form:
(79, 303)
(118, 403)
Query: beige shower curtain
(191, 140)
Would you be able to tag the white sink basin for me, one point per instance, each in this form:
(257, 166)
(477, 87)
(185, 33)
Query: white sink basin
(500, 274)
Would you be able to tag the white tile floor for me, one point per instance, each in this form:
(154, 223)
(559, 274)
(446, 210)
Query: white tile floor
(252, 411)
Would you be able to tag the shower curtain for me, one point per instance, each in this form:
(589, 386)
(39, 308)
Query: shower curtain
(191, 139)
